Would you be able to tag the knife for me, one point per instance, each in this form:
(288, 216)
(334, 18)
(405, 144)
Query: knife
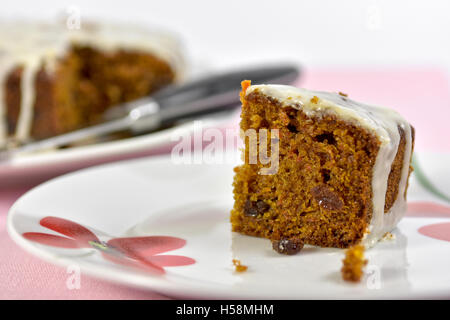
(199, 97)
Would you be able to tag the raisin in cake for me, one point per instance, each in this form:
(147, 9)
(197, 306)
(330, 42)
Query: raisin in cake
(342, 171)
(54, 79)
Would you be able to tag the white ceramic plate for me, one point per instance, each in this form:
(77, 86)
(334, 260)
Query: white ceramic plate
(181, 243)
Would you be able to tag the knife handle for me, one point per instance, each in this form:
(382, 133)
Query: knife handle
(216, 92)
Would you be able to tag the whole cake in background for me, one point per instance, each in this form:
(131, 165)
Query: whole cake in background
(54, 80)
(342, 171)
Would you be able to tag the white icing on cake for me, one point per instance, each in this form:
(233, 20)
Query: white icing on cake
(3, 125)
(32, 45)
(382, 122)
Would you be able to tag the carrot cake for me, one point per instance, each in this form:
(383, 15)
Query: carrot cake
(54, 80)
(341, 170)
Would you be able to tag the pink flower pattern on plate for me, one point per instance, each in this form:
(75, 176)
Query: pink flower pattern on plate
(138, 252)
(439, 231)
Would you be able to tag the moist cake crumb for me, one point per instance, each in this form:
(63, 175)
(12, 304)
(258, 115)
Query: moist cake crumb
(353, 264)
(238, 267)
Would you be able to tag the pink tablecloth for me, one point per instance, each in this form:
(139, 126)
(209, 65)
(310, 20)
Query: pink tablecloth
(421, 94)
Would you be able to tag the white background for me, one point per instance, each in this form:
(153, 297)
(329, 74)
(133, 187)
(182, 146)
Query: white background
(315, 33)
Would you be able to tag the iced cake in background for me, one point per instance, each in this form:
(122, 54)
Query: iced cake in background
(54, 80)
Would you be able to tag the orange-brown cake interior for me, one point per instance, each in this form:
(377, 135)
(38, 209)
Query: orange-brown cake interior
(322, 192)
(83, 85)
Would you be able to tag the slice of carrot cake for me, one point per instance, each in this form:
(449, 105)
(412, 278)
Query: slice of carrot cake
(341, 170)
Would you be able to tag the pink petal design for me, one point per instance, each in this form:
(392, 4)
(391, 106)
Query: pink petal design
(51, 240)
(137, 252)
(70, 229)
(140, 264)
(146, 246)
(427, 210)
(439, 231)
(171, 261)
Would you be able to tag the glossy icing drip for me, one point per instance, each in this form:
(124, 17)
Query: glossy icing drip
(33, 45)
(3, 124)
(26, 102)
(382, 122)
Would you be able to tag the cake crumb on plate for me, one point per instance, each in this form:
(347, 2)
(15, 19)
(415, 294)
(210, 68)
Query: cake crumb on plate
(353, 264)
(238, 266)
